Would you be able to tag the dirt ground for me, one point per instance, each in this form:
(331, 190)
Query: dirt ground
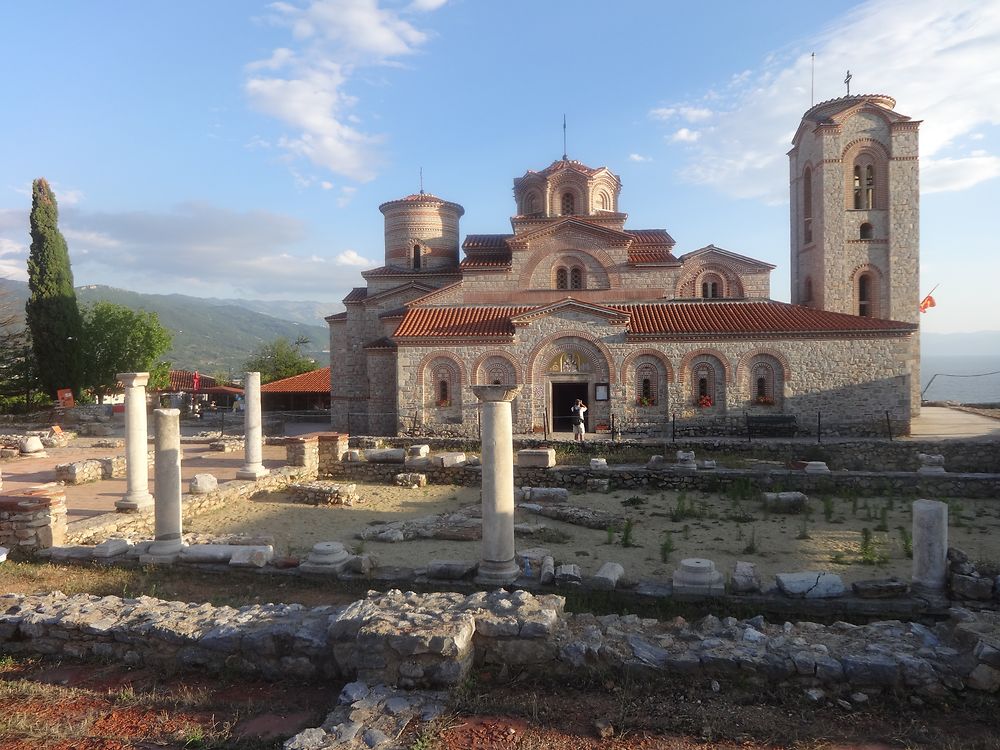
(67, 706)
(721, 528)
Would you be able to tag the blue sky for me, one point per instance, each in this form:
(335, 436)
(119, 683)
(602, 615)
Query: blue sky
(236, 148)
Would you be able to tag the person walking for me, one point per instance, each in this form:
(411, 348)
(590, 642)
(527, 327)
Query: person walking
(577, 411)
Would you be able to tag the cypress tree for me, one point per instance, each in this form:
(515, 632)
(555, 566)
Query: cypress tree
(52, 313)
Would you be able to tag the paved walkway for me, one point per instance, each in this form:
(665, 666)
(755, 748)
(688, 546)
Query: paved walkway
(940, 422)
(95, 498)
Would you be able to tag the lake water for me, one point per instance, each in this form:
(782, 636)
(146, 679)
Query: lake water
(969, 390)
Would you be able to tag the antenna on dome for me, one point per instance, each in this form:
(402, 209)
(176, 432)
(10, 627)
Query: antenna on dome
(847, 80)
(421, 180)
(564, 137)
(812, 82)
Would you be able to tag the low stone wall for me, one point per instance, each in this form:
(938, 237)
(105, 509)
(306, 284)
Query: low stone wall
(432, 640)
(907, 484)
(323, 493)
(973, 456)
(32, 521)
(140, 525)
(96, 469)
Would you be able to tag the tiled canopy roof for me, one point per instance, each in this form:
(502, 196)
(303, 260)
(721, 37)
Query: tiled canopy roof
(486, 260)
(357, 294)
(486, 241)
(446, 322)
(667, 319)
(183, 380)
(317, 381)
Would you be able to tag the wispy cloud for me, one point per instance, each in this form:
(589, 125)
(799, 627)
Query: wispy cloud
(351, 258)
(638, 158)
(940, 61)
(305, 87)
(685, 135)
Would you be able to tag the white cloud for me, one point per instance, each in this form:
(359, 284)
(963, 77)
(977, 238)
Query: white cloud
(337, 37)
(326, 185)
(424, 6)
(346, 195)
(684, 135)
(687, 113)
(941, 62)
(88, 239)
(639, 158)
(351, 258)
(941, 175)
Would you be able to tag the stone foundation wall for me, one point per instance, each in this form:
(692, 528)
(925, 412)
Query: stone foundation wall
(432, 640)
(34, 521)
(907, 484)
(972, 456)
(96, 469)
(138, 525)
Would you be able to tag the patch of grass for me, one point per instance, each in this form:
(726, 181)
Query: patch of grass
(547, 535)
(751, 546)
(666, 546)
(685, 509)
(906, 540)
(628, 529)
(870, 550)
(634, 501)
(828, 509)
(883, 519)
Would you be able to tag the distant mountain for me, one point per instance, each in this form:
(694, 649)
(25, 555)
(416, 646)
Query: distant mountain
(301, 311)
(208, 335)
(960, 344)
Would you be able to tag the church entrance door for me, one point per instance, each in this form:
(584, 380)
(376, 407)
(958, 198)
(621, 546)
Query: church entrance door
(564, 395)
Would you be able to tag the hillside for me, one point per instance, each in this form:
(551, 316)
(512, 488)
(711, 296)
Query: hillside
(209, 335)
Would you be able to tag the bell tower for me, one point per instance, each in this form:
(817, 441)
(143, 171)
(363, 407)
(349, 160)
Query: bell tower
(855, 211)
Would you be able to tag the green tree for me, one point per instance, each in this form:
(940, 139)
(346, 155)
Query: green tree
(118, 339)
(52, 313)
(279, 359)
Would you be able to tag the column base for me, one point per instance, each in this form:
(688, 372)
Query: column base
(495, 573)
(936, 596)
(252, 472)
(133, 503)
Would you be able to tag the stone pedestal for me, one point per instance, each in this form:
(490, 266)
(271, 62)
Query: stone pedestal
(931, 463)
(685, 460)
(930, 547)
(816, 467)
(698, 576)
(329, 558)
(498, 567)
(137, 494)
(167, 542)
(253, 468)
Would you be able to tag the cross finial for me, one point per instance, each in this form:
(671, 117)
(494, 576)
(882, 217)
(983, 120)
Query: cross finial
(564, 137)
(847, 80)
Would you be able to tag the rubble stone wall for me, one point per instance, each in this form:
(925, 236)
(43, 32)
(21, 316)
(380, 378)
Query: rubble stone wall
(413, 640)
(31, 522)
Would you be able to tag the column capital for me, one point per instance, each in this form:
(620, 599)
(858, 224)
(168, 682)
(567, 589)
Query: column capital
(130, 379)
(496, 392)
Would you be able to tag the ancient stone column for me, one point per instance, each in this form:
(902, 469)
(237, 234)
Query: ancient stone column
(253, 468)
(930, 546)
(497, 567)
(167, 477)
(137, 494)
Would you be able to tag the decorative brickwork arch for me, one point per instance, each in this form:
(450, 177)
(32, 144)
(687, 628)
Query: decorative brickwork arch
(627, 364)
(459, 365)
(707, 374)
(683, 371)
(605, 276)
(866, 174)
(690, 284)
(869, 292)
(573, 341)
(742, 366)
(488, 364)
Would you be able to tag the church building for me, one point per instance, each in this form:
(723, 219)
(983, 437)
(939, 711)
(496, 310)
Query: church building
(573, 303)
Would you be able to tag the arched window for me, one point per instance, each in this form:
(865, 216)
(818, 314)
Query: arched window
(443, 384)
(646, 379)
(416, 257)
(704, 382)
(568, 204)
(443, 399)
(761, 388)
(603, 201)
(865, 306)
(870, 186)
(857, 187)
(530, 204)
(866, 231)
(807, 193)
(562, 278)
(576, 278)
(711, 286)
(762, 381)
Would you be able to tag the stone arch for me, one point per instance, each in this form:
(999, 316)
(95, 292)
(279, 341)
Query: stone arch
(707, 379)
(861, 154)
(878, 293)
(604, 360)
(685, 366)
(689, 285)
(611, 277)
(744, 362)
(481, 365)
(440, 353)
(633, 356)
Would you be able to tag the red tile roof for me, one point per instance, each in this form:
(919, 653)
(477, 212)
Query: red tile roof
(357, 294)
(390, 271)
(382, 343)
(650, 237)
(655, 320)
(183, 380)
(336, 316)
(423, 198)
(317, 381)
(486, 242)
(445, 322)
(486, 260)
(560, 164)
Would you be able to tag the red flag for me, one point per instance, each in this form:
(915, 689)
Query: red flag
(927, 302)
(197, 379)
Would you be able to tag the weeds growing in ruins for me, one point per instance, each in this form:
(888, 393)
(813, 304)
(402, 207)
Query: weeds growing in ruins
(666, 546)
(627, 531)
(634, 501)
(870, 550)
(686, 509)
(906, 540)
(883, 519)
(751, 547)
(828, 509)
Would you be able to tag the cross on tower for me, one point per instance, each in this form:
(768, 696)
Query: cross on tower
(847, 80)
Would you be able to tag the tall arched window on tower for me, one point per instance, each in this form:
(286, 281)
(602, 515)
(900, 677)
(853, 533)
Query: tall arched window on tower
(807, 205)
(865, 304)
(568, 204)
(870, 186)
(416, 257)
(562, 278)
(576, 278)
(857, 187)
(530, 204)
(866, 232)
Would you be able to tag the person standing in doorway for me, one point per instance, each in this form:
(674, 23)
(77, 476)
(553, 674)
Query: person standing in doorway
(577, 411)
